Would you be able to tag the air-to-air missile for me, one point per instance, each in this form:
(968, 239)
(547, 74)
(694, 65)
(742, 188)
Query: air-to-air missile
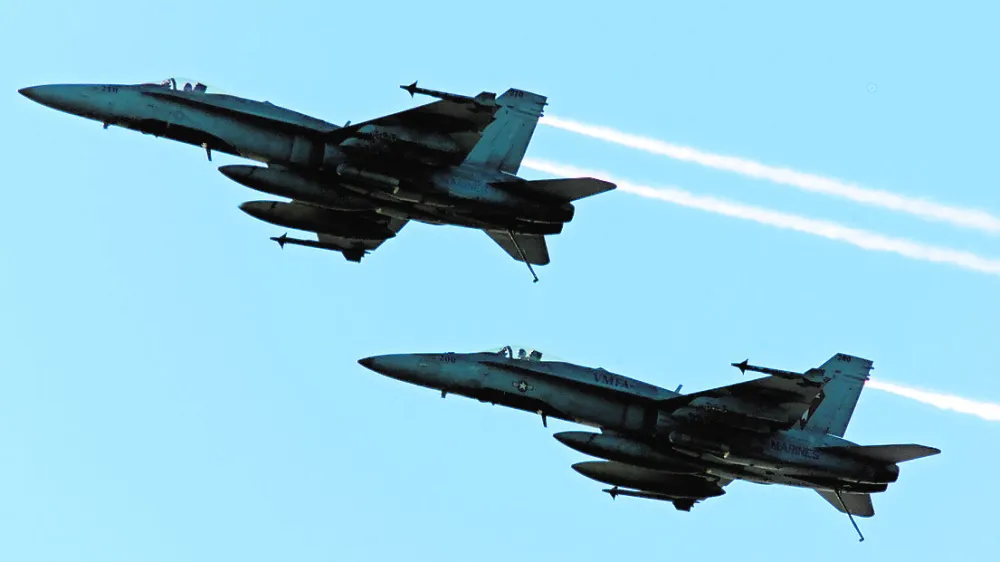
(811, 375)
(485, 101)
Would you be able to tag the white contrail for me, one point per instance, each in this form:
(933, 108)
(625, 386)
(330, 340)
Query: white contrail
(830, 230)
(964, 217)
(833, 231)
(984, 410)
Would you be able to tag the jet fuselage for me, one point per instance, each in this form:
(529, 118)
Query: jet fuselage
(251, 129)
(463, 195)
(626, 409)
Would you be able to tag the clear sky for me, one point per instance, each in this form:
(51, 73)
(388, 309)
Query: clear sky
(175, 387)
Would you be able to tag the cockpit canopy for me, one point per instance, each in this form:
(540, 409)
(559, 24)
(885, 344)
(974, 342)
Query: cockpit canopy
(185, 85)
(521, 353)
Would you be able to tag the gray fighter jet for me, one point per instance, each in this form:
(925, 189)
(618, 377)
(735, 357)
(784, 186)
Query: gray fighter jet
(786, 428)
(453, 161)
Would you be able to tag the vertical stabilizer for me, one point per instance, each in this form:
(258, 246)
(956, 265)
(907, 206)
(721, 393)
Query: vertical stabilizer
(505, 140)
(833, 408)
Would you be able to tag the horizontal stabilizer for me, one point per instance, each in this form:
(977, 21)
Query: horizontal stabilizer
(885, 453)
(566, 189)
(858, 504)
(529, 248)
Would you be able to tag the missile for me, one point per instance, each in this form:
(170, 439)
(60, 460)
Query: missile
(681, 504)
(485, 100)
(301, 216)
(665, 483)
(616, 491)
(351, 254)
(811, 374)
(284, 183)
(624, 450)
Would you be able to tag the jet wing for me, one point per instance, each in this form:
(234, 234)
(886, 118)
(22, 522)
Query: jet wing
(533, 246)
(438, 117)
(464, 122)
(772, 402)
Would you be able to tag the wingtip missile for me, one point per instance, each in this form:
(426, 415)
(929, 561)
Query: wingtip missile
(485, 100)
(412, 88)
(745, 366)
(281, 240)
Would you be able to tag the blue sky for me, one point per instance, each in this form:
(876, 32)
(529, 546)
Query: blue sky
(174, 387)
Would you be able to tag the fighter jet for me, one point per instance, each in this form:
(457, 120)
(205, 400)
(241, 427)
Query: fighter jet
(785, 428)
(452, 162)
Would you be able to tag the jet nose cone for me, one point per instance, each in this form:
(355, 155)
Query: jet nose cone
(404, 366)
(391, 365)
(45, 95)
(78, 99)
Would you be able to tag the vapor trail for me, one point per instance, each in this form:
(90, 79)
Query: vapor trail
(959, 216)
(830, 230)
(984, 410)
